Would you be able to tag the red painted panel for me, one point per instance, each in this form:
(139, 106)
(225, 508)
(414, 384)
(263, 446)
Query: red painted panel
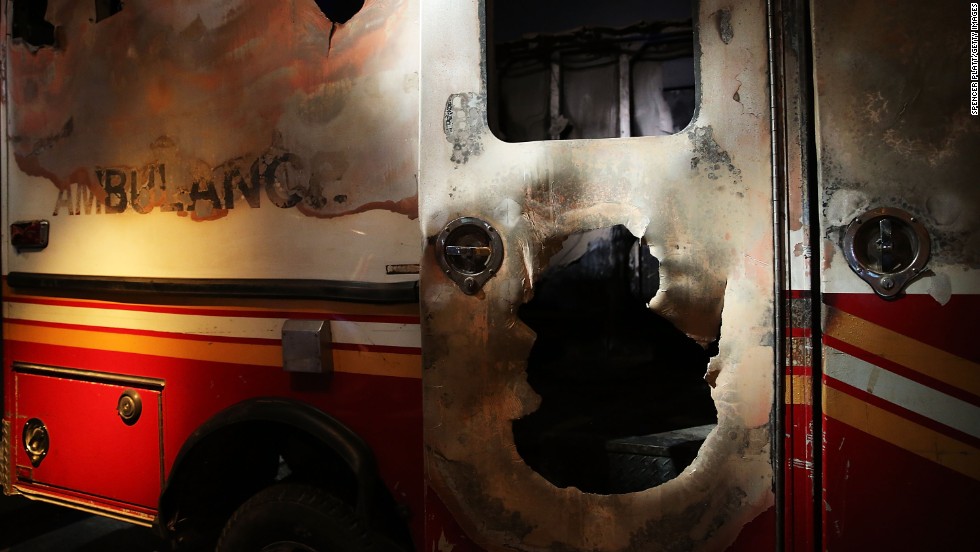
(882, 497)
(799, 525)
(91, 449)
(758, 535)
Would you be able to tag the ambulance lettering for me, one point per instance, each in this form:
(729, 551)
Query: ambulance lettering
(209, 195)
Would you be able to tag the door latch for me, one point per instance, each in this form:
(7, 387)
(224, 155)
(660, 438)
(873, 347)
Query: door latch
(887, 248)
(36, 441)
(470, 252)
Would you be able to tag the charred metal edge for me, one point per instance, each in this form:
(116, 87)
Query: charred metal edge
(269, 288)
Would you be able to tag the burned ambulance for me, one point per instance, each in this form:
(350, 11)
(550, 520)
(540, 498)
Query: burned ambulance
(476, 275)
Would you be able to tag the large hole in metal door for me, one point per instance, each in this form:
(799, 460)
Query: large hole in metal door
(624, 403)
(567, 69)
(29, 23)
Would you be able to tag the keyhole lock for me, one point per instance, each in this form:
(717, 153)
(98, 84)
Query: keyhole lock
(36, 441)
(887, 248)
(130, 406)
(470, 252)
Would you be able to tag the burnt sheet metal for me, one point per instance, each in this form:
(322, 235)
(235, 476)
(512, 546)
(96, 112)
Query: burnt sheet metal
(701, 198)
(895, 130)
(201, 108)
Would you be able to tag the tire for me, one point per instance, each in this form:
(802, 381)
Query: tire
(294, 518)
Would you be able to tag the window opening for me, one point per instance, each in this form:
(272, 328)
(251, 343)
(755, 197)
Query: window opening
(566, 69)
(107, 8)
(29, 25)
(624, 403)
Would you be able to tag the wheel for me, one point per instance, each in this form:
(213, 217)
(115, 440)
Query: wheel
(292, 517)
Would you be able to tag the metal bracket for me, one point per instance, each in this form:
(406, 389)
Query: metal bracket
(306, 346)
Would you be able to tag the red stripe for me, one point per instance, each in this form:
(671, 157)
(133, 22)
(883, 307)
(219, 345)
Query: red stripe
(799, 453)
(800, 332)
(897, 368)
(950, 327)
(893, 408)
(301, 315)
(799, 370)
(798, 293)
(212, 338)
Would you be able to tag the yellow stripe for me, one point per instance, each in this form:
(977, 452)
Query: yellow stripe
(913, 354)
(799, 390)
(354, 362)
(902, 433)
(378, 364)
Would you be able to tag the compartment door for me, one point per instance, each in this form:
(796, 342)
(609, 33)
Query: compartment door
(94, 433)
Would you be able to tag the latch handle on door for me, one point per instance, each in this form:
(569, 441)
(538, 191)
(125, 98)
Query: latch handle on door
(470, 252)
(36, 441)
(887, 248)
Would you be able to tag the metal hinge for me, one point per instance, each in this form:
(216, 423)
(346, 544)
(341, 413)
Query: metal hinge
(5, 457)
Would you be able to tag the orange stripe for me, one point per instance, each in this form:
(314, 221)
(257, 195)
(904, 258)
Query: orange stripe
(910, 353)
(902, 433)
(356, 362)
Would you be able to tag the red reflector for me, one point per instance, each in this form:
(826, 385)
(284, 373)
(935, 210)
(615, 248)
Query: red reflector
(31, 234)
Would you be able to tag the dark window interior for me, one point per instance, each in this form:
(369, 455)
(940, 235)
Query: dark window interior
(566, 69)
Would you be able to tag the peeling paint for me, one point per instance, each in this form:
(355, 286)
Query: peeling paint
(940, 288)
(464, 125)
(725, 30)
